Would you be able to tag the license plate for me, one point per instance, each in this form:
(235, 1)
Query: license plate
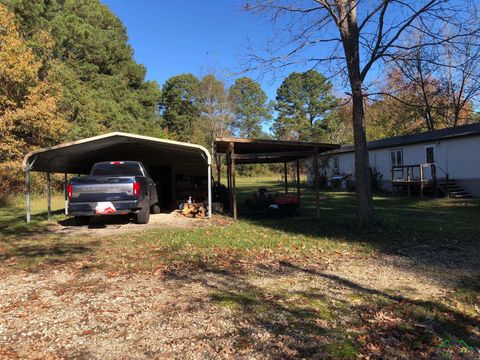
(105, 208)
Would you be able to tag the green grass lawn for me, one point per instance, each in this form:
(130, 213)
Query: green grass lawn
(412, 213)
(433, 239)
(13, 214)
(404, 222)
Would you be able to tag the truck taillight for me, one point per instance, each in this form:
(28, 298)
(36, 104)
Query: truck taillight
(136, 189)
(70, 191)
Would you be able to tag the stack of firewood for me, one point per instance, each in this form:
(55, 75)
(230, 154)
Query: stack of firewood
(194, 210)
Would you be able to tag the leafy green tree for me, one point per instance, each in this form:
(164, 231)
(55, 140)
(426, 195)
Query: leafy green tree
(29, 114)
(196, 110)
(103, 88)
(249, 107)
(215, 113)
(339, 126)
(179, 106)
(214, 108)
(303, 101)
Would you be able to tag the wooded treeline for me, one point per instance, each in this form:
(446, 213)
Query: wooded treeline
(67, 72)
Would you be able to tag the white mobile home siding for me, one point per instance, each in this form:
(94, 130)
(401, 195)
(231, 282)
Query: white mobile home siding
(460, 157)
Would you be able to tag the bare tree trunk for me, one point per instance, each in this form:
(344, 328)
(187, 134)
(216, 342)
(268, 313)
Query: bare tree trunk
(428, 108)
(456, 115)
(366, 215)
(377, 34)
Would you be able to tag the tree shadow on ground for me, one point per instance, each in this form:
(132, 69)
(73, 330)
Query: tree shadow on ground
(324, 321)
(38, 250)
(439, 239)
(48, 253)
(15, 225)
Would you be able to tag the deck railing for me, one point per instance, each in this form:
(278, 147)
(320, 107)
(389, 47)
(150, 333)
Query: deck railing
(414, 173)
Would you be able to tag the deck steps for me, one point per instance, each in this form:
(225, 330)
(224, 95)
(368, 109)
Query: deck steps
(454, 190)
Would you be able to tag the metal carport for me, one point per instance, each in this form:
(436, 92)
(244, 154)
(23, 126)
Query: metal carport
(77, 157)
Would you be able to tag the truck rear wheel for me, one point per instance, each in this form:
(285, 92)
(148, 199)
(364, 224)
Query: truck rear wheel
(143, 216)
(155, 209)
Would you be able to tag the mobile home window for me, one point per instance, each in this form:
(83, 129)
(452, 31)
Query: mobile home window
(336, 167)
(430, 154)
(396, 157)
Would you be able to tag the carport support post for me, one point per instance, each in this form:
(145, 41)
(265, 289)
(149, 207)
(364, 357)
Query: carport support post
(27, 189)
(234, 185)
(229, 178)
(209, 174)
(315, 179)
(285, 172)
(298, 178)
(65, 192)
(49, 197)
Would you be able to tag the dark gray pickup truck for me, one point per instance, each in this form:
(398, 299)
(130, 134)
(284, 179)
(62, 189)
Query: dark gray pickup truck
(113, 188)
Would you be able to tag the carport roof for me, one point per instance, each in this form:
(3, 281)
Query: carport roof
(251, 151)
(78, 156)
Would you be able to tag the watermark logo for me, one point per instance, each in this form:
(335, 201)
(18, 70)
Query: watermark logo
(449, 347)
(457, 344)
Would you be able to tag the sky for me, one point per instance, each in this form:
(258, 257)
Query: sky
(187, 36)
(198, 36)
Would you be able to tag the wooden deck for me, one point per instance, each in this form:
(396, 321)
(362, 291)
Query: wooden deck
(415, 177)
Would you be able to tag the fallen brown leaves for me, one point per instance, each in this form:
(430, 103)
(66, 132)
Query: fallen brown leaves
(394, 328)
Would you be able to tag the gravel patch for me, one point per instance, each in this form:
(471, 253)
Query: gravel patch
(116, 225)
(93, 315)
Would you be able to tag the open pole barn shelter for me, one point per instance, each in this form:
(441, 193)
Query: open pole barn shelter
(179, 169)
(253, 151)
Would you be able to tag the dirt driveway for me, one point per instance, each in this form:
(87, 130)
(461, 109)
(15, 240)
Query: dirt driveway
(112, 225)
(282, 313)
(271, 289)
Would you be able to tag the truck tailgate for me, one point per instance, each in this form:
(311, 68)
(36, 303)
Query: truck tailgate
(101, 188)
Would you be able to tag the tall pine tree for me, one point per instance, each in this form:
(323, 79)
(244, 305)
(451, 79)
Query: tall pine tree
(303, 101)
(249, 107)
